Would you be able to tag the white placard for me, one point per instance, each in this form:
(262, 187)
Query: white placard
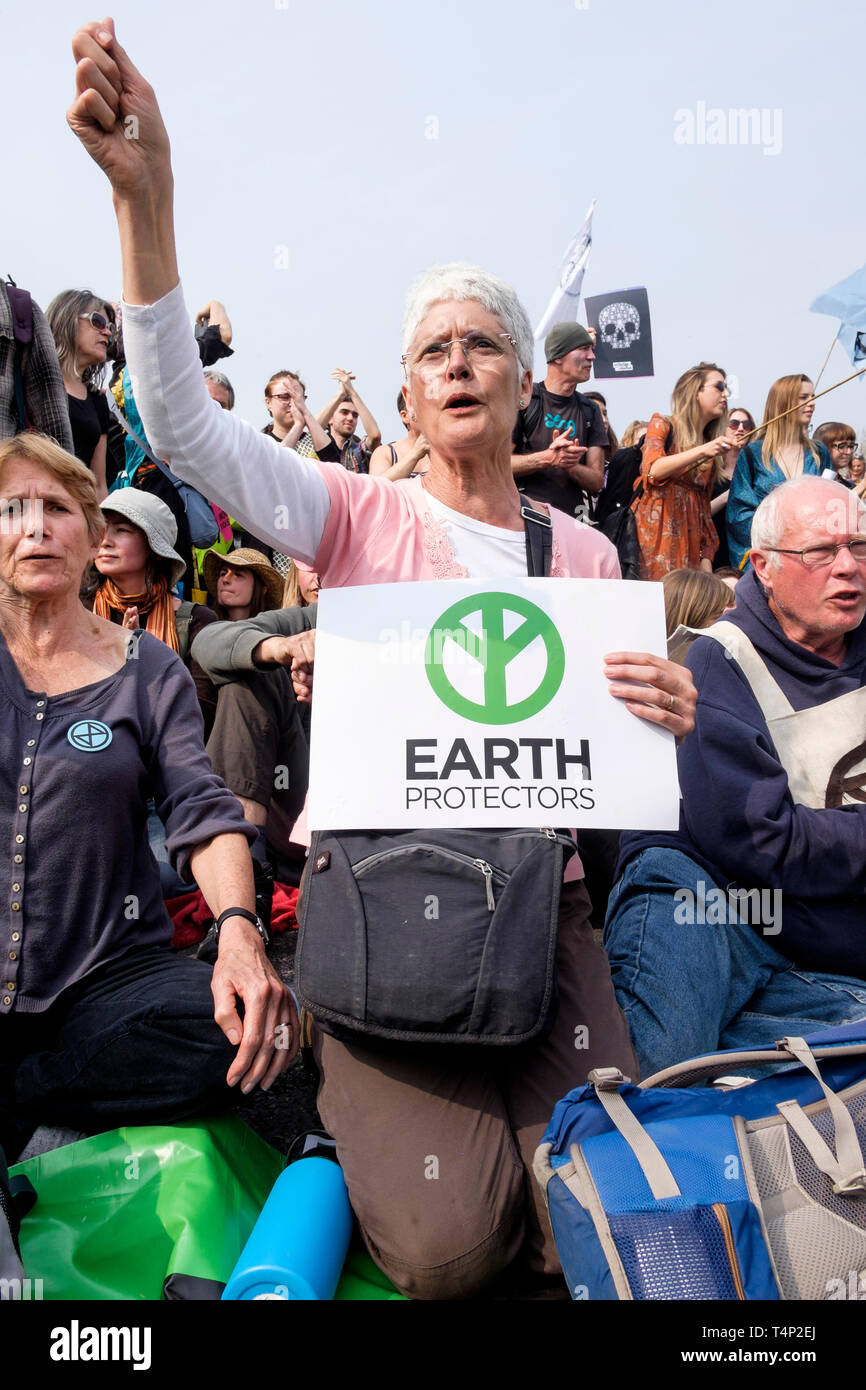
(471, 703)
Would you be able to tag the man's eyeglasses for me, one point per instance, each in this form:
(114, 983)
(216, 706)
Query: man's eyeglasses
(281, 396)
(844, 446)
(817, 556)
(99, 321)
(478, 348)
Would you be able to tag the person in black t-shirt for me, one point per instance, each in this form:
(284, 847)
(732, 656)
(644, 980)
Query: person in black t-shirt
(83, 329)
(559, 439)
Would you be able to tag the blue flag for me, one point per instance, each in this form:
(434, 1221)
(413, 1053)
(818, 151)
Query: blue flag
(847, 301)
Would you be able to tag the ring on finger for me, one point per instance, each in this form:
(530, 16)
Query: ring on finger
(671, 700)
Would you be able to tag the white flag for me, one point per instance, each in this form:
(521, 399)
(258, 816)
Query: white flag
(565, 299)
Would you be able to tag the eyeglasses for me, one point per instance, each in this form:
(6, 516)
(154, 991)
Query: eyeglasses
(478, 348)
(720, 386)
(817, 556)
(98, 320)
(281, 396)
(738, 424)
(844, 448)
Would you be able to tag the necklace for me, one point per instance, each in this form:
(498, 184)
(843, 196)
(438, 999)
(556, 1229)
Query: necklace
(790, 460)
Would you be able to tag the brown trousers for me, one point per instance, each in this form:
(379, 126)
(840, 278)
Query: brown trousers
(436, 1143)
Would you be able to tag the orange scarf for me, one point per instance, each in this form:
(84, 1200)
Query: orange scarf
(155, 605)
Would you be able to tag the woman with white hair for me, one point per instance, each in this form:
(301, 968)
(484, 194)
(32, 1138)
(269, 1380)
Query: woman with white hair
(467, 354)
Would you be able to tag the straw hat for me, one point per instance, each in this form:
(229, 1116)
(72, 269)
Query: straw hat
(155, 519)
(243, 559)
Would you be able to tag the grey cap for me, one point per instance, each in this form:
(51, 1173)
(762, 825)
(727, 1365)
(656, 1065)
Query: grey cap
(155, 519)
(563, 338)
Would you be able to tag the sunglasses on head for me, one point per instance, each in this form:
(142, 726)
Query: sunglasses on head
(98, 320)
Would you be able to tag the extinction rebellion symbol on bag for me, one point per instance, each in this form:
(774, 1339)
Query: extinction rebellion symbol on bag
(494, 652)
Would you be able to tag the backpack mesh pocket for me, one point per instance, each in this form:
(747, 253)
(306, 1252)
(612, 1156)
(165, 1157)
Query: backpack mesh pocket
(674, 1254)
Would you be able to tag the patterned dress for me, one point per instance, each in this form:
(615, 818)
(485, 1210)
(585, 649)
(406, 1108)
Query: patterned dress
(674, 524)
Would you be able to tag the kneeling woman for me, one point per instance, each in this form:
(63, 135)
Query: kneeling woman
(467, 350)
(100, 1024)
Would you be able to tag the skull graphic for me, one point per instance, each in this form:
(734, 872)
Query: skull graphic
(619, 325)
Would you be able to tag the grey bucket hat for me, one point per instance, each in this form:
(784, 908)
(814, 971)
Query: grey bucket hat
(155, 519)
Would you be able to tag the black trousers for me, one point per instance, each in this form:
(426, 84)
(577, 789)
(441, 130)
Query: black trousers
(135, 1042)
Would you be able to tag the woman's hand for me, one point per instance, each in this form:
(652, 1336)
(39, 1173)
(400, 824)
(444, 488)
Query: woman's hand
(115, 114)
(714, 447)
(130, 619)
(420, 451)
(654, 689)
(269, 1034)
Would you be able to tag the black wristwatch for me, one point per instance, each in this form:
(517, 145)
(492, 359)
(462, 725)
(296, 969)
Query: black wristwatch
(248, 916)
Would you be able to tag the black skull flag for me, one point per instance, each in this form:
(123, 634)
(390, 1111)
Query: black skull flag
(624, 345)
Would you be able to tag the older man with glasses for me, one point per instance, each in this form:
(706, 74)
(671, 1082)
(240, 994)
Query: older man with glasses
(747, 924)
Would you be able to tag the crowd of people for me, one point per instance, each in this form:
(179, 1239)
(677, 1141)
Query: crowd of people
(119, 451)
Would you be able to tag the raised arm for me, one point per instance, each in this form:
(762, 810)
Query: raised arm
(273, 492)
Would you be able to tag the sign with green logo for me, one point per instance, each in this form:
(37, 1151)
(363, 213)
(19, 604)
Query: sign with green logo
(473, 702)
(495, 652)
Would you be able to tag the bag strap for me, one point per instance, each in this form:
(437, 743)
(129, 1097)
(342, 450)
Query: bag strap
(539, 541)
(606, 1082)
(716, 1064)
(182, 619)
(845, 1168)
(21, 306)
(142, 443)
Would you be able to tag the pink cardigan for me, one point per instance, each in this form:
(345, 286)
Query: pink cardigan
(380, 532)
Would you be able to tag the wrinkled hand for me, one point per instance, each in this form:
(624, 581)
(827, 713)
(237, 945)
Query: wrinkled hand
(563, 450)
(115, 113)
(298, 653)
(268, 1036)
(647, 682)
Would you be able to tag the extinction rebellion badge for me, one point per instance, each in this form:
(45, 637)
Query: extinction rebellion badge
(89, 735)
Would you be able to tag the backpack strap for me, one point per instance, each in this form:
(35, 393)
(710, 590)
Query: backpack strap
(529, 418)
(21, 306)
(182, 619)
(539, 541)
(606, 1082)
(846, 1167)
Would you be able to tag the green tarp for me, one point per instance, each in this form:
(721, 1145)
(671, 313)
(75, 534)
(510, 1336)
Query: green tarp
(118, 1213)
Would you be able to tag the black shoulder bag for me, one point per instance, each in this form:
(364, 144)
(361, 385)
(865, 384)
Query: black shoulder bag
(435, 936)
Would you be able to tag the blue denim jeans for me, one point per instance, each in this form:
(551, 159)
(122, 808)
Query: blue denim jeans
(688, 987)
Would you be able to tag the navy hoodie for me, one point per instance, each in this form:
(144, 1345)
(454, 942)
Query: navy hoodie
(737, 819)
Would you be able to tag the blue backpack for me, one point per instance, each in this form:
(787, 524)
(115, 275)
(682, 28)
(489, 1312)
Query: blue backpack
(757, 1191)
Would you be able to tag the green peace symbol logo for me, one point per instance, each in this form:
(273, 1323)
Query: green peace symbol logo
(494, 652)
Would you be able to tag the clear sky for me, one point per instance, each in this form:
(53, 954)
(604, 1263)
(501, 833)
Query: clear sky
(326, 152)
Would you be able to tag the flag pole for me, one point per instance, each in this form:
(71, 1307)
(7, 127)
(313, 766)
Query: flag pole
(824, 363)
(800, 404)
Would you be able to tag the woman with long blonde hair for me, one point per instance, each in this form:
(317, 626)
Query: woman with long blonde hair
(781, 451)
(674, 526)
